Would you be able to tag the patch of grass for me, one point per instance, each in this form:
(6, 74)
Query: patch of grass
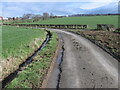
(34, 73)
(16, 41)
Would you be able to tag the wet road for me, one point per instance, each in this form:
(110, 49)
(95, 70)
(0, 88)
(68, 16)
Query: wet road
(85, 65)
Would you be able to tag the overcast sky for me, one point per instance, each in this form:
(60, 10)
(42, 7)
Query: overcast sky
(17, 8)
(59, 0)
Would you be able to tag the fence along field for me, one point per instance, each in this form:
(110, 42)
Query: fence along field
(91, 21)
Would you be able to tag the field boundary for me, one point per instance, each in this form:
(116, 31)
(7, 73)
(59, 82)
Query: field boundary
(55, 26)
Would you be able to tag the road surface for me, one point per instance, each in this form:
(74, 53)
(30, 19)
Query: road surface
(86, 65)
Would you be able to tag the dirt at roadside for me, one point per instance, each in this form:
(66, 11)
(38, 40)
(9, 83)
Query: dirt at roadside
(107, 39)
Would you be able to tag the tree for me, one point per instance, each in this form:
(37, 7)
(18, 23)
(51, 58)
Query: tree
(27, 16)
(45, 16)
(51, 15)
(36, 17)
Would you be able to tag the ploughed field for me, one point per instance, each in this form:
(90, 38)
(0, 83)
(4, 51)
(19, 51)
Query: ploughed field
(91, 21)
(107, 39)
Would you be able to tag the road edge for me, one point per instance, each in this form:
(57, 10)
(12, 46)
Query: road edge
(52, 65)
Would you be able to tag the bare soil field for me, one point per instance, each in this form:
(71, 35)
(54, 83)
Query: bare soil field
(106, 39)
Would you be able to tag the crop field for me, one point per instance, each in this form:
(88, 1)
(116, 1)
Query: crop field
(89, 20)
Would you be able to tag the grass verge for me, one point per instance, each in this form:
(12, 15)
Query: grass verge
(34, 73)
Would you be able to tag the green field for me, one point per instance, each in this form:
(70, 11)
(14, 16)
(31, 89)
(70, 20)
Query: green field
(16, 41)
(35, 72)
(92, 21)
(89, 20)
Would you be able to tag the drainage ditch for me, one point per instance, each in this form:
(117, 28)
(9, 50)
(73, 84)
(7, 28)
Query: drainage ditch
(59, 62)
(29, 60)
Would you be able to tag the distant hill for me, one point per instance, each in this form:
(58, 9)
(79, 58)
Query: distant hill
(111, 8)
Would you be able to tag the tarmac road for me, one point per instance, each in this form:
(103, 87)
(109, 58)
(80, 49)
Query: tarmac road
(86, 65)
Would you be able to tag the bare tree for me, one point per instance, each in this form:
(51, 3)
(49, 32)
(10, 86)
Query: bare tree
(45, 16)
(51, 15)
(36, 17)
(27, 16)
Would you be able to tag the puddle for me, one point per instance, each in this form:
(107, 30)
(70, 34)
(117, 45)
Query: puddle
(59, 62)
(54, 79)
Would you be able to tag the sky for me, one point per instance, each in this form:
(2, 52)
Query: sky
(16, 8)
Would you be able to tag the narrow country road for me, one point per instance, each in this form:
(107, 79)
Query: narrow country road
(85, 65)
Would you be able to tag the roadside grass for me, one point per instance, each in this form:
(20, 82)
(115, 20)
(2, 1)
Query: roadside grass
(35, 72)
(92, 21)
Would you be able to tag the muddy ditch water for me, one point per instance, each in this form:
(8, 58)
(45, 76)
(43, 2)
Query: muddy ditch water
(29, 60)
(59, 62)
(55, 76)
